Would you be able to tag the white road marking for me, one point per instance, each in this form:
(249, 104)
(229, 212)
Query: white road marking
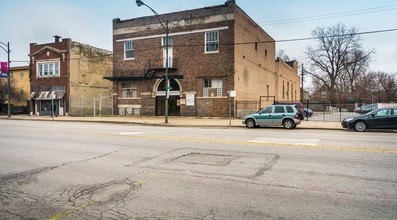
(303, 141)
(126, 133)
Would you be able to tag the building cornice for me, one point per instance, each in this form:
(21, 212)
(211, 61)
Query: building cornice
(179, 23)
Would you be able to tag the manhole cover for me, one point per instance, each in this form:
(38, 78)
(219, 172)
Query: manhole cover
(206, 159)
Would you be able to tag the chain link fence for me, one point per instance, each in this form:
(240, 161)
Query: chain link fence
(96, 106)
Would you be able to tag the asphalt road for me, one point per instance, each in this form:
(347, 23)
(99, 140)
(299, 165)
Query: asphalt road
(71, 170)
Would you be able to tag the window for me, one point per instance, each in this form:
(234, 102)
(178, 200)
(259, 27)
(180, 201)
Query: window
(170, 41)
(287, 90)
(211, 41)
(267, 91)
(129, 90)
(267, 110)
(279, 109)
(213, 87)
(128, 49)
(22, 75)
(290, 109)
(48, 69)
(382, 113)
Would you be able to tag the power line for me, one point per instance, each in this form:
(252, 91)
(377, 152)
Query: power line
(331, 15)
(341, 35)
(252, 42)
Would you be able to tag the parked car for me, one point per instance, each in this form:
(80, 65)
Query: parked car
(384, 118)
(308, 112)
(298, 105)
(274, 115)
(366, 108)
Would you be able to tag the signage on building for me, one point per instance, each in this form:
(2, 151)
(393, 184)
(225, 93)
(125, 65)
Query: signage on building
(190, 99)
(387, 105)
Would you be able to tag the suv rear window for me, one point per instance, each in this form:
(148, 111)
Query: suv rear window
(290, 109)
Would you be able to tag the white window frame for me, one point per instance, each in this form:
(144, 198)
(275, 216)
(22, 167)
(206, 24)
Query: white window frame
(211, 40)
(129, 91)
(170, 41)
(48, 68)
(129, 47)
(213, 84)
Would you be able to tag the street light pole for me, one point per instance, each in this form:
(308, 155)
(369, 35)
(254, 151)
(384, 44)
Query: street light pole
(8, 73)
(166, 30)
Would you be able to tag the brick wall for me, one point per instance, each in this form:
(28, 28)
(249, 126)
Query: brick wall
(247, 67)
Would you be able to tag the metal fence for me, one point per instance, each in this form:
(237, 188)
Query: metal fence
(91, 106)
(246, 107)
(326, 111)
(322, 111)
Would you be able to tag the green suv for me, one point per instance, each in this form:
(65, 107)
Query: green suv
(274, 115)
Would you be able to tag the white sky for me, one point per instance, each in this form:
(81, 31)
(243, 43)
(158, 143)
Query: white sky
(90, 21)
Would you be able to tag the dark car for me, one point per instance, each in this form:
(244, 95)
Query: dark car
(384, 118)
(366, 108)
(308, 112)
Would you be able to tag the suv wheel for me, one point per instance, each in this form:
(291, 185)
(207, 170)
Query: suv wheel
(250, 123)
(288, 124)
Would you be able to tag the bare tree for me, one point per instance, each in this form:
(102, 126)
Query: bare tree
(366, 87)
(338, 53)
(388, 84)
(357, 65)
(283, 55)
(373, 86)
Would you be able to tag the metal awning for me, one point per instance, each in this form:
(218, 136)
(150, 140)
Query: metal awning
(49, 95)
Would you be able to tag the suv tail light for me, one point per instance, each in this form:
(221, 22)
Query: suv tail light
(296, 116)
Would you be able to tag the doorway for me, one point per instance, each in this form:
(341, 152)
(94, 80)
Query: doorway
(173, 100)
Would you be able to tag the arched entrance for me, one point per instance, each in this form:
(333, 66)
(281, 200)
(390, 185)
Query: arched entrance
(173, 100)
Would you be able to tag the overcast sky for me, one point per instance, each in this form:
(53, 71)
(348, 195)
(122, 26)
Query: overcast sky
(90, 21)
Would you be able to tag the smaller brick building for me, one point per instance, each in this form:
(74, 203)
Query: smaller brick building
(64, 70)
(212, 52)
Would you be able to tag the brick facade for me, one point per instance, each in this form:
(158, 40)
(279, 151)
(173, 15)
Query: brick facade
(245, 62)
(77, 70)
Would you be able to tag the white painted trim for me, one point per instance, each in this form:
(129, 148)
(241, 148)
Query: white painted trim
(174, 34)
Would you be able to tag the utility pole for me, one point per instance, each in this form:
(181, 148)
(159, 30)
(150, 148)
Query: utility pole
(8, 51)
(302, 73)
(164, 24)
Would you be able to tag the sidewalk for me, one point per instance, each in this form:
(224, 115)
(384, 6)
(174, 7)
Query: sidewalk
(172, 121)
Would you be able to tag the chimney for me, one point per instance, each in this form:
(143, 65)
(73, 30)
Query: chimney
(57, 38)
(231, 1)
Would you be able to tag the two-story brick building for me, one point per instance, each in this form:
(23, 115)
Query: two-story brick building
(211, 51)
(63, 71)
